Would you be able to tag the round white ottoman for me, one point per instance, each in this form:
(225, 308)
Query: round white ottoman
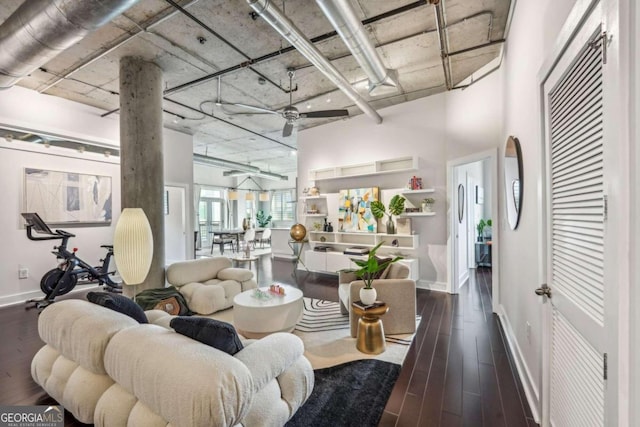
(255, 318)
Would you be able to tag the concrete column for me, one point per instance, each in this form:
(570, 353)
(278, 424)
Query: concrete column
(141, 158)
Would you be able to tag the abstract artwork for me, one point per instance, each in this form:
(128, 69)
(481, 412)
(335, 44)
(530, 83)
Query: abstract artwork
(354, 210)
(67, 197)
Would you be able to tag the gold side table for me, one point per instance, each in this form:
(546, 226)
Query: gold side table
(370, 331)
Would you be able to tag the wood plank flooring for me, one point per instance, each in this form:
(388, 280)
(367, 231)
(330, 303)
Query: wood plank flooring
(458, 371)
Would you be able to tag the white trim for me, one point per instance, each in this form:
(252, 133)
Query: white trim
(21, 298)
(527, 380)
(432, 286)
(492, 155)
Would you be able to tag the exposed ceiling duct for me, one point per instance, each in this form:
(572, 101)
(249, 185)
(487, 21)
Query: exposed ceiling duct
(344, 20)
(235, 167)
(40, 29)
(274, 16)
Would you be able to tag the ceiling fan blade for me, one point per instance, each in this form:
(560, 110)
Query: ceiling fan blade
(287, 130)
(253, 107)
(325, 113)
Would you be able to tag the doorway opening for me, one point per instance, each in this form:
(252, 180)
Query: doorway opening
(473, 220)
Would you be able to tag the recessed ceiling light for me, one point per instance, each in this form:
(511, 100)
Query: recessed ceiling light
(308, 105)
(252, 139)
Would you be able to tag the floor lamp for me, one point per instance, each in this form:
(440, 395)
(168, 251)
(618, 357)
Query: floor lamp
(133, 246)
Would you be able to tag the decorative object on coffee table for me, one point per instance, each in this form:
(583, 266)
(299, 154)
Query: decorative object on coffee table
(370, 337)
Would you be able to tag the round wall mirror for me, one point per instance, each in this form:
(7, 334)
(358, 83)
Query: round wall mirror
(460, 203)
(513, 180)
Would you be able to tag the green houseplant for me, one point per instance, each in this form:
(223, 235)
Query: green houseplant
(482, 225)
(427, 204)
(371, 269)
(262, 219)
(396, 207)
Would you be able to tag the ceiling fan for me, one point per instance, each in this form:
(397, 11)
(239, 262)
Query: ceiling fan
(291, 114)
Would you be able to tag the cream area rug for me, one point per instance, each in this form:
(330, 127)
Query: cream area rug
(327, 338)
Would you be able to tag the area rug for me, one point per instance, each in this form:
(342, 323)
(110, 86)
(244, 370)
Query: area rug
(327, 338)
(351, 394)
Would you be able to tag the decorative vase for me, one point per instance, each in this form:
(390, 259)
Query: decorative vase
(391, 227)
(368, 296)
(426, 207)
(245, 224)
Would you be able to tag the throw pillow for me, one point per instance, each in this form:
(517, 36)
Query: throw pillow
(382, 273)
(118, 303)
(214, 333)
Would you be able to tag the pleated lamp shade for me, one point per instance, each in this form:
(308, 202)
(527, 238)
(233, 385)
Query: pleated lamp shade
(233, 195)
(133, 246)
(264, 197)
(249, 196)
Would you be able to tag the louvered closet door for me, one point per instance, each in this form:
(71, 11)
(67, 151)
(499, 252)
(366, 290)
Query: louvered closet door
(574, 119)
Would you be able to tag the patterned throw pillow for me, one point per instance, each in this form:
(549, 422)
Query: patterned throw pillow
(118, 303)
(214, 333)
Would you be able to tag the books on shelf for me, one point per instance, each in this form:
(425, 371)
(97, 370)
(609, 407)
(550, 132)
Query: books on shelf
(322, 248)
(363, 306)
(356, 250)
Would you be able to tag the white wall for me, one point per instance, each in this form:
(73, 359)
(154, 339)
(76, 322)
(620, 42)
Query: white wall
(534, 29)
(25, 109)
(430, 128)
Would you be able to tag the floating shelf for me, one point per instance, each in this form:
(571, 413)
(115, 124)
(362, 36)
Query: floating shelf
(409, 214)
(422, 191)
(401, 164)
(316, 214)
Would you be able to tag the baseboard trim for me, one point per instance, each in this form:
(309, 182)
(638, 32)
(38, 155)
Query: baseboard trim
(529, 385)
(21, 298)
(432, 286)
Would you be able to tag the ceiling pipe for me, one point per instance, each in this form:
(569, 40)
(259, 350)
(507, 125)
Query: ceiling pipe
(346, 23)
(40, 29)
(261, 173)
(222, 163)
(440, 26)
(274, 16)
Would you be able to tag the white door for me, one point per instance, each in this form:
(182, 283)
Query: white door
(577, 322)
(175, 243)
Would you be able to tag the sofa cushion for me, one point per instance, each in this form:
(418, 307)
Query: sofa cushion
(118, 303)
(196, 270)
(238, 274)
(214, 333)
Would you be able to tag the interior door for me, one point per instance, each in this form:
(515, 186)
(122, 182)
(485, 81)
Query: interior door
(577, 316)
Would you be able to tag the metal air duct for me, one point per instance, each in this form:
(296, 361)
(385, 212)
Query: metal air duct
(346, 23)
(40, 29)
(222, 163)
(274, 16)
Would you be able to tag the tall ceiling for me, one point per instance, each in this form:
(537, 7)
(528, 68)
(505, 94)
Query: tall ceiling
(205, 44)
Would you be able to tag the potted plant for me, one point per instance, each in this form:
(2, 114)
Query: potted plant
(480, 228)
(371, 269)
(427, 204)
(263, 220)
(396, 207)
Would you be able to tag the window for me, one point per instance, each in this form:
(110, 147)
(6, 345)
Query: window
(282, 206)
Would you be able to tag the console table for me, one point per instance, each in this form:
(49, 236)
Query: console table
(483, 254)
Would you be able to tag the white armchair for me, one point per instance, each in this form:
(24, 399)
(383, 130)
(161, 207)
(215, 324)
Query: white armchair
(396, 290)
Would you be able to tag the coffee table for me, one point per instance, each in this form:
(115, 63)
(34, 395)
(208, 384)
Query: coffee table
(255, 318)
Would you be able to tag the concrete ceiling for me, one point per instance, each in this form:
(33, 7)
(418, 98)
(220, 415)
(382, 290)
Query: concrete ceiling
(403, 31)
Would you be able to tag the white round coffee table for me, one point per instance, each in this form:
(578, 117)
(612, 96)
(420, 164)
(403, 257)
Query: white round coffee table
(255, 318)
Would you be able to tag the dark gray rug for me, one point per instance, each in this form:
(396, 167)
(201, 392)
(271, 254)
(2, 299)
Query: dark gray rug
(351, 394)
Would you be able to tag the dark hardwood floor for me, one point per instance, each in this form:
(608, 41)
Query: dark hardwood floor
(458, 371)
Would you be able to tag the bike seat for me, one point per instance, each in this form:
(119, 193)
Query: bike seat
(107, 246)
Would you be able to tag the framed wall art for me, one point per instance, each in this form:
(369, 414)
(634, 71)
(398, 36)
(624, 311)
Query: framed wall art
(354, 210)
(68, 197)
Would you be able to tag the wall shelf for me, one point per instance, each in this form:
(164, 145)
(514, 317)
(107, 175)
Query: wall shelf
(400, 164)
(412, 214)
(416, 192)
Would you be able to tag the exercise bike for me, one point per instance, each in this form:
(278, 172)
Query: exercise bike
(71, 270)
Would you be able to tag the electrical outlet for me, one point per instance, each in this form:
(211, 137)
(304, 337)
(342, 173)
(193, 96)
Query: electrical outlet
(529, 332)
(23, 273)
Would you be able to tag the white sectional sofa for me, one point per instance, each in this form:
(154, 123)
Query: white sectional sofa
(107, 369)
(209, 284)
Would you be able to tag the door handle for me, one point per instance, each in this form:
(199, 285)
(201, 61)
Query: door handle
(544, 290)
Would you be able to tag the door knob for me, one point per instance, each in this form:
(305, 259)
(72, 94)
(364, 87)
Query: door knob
(544, 290)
